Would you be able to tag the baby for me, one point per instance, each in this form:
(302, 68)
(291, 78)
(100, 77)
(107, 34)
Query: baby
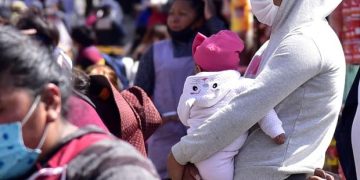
(216, 84)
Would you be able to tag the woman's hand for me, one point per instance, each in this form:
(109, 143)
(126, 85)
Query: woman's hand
(320, 174)
(175, 169)
(191, 172)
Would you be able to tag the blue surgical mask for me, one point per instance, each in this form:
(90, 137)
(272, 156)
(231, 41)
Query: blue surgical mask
(15, 158)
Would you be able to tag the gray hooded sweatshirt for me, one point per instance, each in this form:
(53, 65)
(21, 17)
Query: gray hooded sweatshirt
(302, 75)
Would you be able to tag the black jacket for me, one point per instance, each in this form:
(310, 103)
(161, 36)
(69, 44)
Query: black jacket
(343, 131)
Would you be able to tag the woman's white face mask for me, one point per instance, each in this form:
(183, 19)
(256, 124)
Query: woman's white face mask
(264, 10)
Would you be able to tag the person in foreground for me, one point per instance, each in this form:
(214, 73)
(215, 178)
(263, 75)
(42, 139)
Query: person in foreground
(301, 73)
(36, 140)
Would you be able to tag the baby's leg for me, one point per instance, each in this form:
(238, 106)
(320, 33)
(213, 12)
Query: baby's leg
(218, 166)
(221, 164)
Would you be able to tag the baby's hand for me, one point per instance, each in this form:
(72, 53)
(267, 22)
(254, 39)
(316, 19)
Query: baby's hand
(280, 139)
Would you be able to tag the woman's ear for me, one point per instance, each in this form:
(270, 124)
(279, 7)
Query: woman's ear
(51, 97)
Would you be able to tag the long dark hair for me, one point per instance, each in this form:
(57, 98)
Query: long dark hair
(83, 35)
(46, 32)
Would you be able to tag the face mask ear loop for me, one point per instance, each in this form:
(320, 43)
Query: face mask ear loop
(42, 140)
(31, 110)
(28, 115)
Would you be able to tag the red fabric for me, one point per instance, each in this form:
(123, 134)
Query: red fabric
(147, 114)
(73, 148)
(82, 114)
(67, 153)
(351, 30)
(132, 111)
(130, 125)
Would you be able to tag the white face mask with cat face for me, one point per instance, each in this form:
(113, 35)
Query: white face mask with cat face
(264, 10)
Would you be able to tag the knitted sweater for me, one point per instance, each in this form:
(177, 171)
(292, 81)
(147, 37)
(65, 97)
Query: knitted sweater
(302, 75)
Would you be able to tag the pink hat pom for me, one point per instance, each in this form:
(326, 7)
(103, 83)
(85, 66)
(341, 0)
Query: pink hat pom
(218, 52)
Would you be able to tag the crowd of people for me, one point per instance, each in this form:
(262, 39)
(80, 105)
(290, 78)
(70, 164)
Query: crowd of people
(178, 89)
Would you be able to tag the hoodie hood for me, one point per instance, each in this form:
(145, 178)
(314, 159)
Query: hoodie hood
(291, 17)
(295, 13)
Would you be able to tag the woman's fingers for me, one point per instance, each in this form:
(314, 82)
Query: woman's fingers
(191, 172)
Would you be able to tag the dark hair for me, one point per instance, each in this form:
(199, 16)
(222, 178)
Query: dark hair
(46, 33)
(30, 66)
(81, 81)
(197, 5)
(83, 35)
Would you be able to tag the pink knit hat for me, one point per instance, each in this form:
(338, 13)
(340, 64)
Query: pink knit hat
(218, 52)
